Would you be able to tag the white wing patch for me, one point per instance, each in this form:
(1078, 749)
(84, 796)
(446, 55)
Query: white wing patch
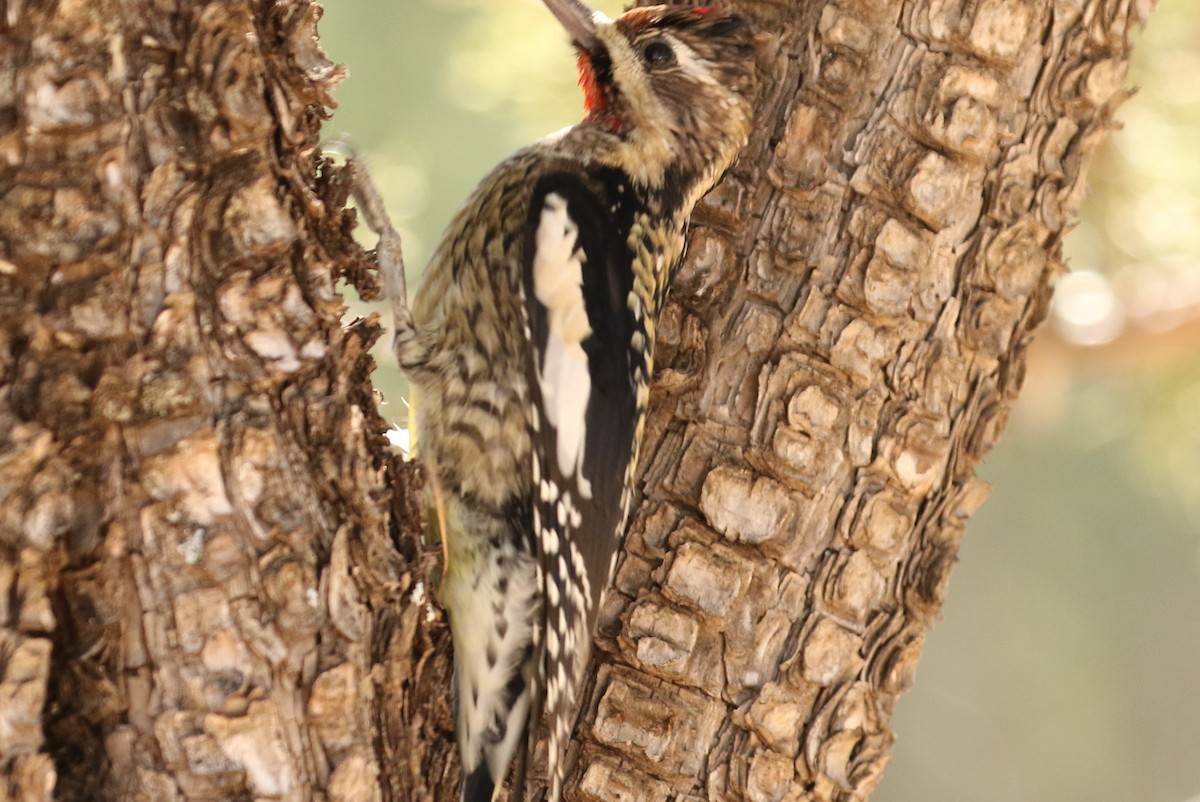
(565, 380)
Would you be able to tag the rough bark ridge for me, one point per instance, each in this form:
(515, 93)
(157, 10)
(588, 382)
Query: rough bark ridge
(846, 336)
(200, 596)
(191, 461)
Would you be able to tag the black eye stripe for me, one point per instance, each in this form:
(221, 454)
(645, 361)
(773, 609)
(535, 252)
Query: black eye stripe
(728, 26)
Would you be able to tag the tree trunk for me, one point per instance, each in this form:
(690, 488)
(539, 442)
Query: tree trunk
(213, 581)
(199, 572)
(845, 339)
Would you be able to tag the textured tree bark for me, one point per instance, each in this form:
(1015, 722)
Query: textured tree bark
(198, 574)
(212, 580)
(844, 341)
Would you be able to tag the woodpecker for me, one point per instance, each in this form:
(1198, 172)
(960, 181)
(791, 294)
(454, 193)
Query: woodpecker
(529, 349)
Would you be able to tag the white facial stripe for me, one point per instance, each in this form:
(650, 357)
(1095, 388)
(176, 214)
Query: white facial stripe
(689, 62)
(565, 380)
(651, 127)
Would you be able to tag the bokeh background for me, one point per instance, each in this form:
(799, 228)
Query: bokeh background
(1067, 664)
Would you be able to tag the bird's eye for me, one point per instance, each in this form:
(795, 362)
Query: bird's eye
(658, 53)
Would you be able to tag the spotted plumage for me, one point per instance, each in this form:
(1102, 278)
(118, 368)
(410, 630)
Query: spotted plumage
(530, 349)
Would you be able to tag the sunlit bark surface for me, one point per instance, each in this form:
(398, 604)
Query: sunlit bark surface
(197, 570)
(211, 579)
(848, 332)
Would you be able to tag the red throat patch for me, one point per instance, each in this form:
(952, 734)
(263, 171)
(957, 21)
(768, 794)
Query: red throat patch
(595, 103)
(593, 96)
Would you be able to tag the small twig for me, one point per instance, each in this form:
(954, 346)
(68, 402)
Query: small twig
(388, 252)
(390, 258)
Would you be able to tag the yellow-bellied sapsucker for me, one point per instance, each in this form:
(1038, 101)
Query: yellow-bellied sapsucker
(530, 347)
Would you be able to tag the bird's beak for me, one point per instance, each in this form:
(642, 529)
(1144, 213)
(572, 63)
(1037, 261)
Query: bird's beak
(578, 20)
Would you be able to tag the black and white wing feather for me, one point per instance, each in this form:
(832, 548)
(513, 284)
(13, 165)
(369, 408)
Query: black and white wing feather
(577, 282)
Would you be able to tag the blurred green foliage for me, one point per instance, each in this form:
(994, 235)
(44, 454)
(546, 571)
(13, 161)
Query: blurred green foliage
(1067, 666)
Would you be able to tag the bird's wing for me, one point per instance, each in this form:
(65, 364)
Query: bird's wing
(577, 282)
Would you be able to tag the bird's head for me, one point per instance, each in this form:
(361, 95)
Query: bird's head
(668, 90)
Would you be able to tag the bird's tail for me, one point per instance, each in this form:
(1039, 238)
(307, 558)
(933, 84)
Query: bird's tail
(478, 785)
